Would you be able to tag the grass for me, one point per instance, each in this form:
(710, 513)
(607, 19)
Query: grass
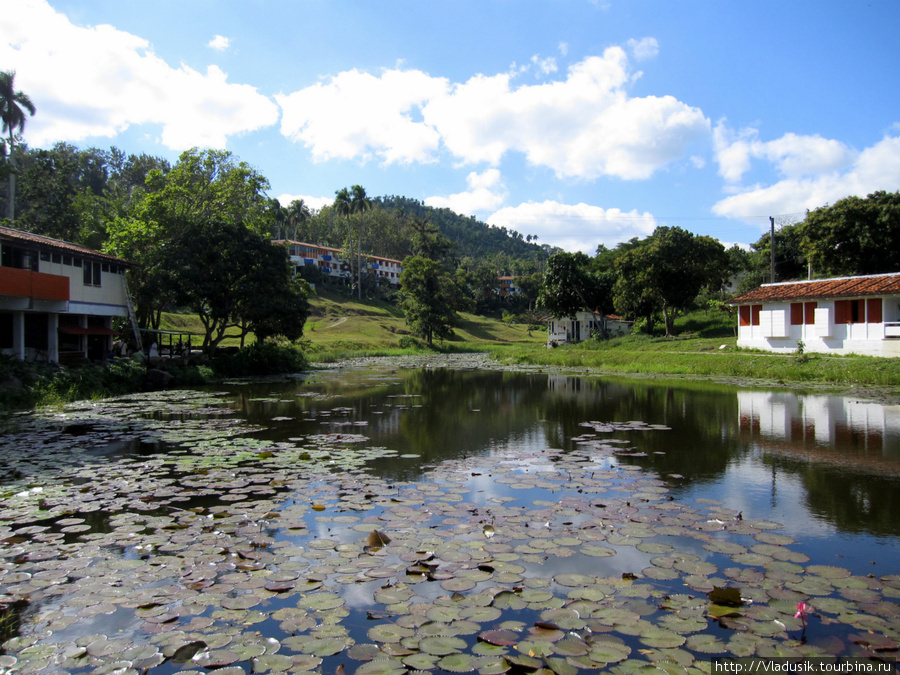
(341, 328)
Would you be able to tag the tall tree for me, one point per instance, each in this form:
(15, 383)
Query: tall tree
(854, 236)
(13, 106)
(568, 286)
(427, 298)
(342, 207)
(206, 186)
(297, 215)
(359, 204)
(665, 273)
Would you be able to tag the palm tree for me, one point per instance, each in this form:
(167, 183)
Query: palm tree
(13, 106)
(297, 214)
(359, 203)
(342, 207)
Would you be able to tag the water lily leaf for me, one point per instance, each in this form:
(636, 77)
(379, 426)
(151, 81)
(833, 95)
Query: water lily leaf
(187, 651)
(389, 632)
(457, 663)
(505, 638)
(377, 539)
(382, 666)
(441, 646)
(728, 596)
(609, 652)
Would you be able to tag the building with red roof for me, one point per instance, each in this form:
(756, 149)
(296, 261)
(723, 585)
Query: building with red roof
(844, 315)
(58, 299)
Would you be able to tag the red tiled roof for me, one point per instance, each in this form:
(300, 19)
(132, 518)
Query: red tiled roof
(842, 287)
(57, 244)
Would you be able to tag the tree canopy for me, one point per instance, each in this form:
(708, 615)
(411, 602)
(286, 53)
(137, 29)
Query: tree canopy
(13, 106)
(854, 236)
(427, 298)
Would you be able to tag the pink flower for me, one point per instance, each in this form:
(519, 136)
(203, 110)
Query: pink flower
(802, 609)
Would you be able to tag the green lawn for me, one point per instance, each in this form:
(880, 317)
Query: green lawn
(339, 327)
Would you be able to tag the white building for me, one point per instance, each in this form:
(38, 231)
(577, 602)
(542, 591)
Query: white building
(561, 330)
(332, 262)
(844, 315)
(57, 299)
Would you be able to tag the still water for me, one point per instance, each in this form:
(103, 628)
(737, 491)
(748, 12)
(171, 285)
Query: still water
(827, 467)
(385, 520)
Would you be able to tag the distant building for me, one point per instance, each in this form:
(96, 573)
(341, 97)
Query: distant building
(508, 286)
(561, 330)
(57, 299)
(332, 262)
(844, 315)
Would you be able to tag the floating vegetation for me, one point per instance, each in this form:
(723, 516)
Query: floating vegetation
(229, 553)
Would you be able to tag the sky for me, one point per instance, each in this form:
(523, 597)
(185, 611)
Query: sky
(580, 122)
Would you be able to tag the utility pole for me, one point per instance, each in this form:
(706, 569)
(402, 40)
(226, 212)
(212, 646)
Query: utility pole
(772, 246)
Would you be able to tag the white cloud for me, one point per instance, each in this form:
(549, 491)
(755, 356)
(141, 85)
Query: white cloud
(583, 126)
(314, 203)
(794, 156)
(803, 188)
(98, 81)
(220, 43)
(545, 66)
(486, 191)
(574, 227)
(643, 49)
(355, 115)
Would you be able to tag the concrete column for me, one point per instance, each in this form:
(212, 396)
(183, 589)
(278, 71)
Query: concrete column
(53, 337)
(19, 335)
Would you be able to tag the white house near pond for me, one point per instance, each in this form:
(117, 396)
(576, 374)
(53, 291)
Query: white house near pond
(57, 299)
(844, 315)
(561, 330)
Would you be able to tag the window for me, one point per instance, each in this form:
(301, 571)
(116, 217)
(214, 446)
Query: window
(850, 311)
(873, 310)
(45, 256)
(91, 273)
(803, 313)
(67, 260)
(749, 315)
(57, 258)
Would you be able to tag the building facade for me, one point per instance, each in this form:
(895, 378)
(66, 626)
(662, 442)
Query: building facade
(561, 330)
(57, 300)
(844, 315)
(332, 262)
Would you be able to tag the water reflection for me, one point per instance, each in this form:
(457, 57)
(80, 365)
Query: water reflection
(799, 457)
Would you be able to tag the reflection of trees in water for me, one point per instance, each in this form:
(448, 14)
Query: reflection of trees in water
(11, 615)
(446, 414)
(853, 501)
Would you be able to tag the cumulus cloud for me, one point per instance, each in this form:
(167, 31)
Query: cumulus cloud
(792, 155)
(574, 227)
(220, 43)
(314, 203)
(643, 49)
(98, 81)
(485, 192)
(816, 172)
(583, 126)
(359, 115)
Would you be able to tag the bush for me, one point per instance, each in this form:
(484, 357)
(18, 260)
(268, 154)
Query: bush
(409, 342)
(261, 358)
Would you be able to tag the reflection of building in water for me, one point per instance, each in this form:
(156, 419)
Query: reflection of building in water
(833, 421)
(564, 384)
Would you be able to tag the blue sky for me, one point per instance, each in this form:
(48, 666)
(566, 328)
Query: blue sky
(582, 122)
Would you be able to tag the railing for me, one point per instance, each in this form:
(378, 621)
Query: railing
(892, 329)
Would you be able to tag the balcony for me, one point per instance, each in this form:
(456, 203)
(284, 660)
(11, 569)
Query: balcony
(35, 285)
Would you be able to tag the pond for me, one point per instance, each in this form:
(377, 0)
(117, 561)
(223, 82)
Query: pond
(385, 519)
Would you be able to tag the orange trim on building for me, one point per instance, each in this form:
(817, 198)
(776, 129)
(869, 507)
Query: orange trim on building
(27, 284)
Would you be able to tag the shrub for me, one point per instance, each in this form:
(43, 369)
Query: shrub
(409, 342)
(261, 358)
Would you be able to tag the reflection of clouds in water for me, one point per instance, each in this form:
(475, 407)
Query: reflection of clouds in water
(762, 491)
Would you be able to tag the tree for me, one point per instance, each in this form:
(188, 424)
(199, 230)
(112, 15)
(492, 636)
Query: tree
(359, 204)
(13, 106)
(665, 273)
(232, 277)
(297, 215)
(204, 187)
(854, 236)
(427, 298)
(568, 286)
